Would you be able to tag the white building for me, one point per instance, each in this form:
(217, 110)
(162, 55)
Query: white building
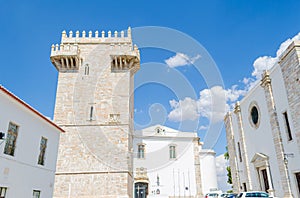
(28, 151)
(263, 131)
(171, 163)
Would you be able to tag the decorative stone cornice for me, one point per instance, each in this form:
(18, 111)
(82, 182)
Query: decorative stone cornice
(266, 80)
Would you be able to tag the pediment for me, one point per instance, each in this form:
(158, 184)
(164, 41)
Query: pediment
(260, 160)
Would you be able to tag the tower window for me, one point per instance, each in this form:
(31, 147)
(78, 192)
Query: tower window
(240, 153)
(91, 113)
(43, 146)
(141, 151)
(287, 126)
(172, 152)
(11, 139)
(86, 70)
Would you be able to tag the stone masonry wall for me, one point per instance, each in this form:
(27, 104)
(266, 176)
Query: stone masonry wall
(95, 106)
(290, 67)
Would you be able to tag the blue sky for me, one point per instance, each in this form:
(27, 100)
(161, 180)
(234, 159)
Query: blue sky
(235, 34)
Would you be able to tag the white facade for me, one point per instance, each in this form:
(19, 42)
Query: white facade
(264, 153)
(189, 172)
(20, 173)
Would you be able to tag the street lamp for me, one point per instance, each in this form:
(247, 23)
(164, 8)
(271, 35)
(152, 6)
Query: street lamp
(286, 161)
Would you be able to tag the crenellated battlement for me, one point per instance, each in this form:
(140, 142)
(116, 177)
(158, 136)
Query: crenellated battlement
(97, 37)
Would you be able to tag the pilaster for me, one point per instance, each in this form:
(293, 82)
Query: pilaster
(237, 111)
(197, 168)
(232, 153)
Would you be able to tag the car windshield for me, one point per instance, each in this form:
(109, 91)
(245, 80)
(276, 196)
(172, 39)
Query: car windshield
(257, 194)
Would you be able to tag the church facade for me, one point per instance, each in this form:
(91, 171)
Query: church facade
(263, 131)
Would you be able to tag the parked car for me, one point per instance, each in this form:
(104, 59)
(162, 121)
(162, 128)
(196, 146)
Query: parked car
(211, 195)
(232, 195)
(253, 194)
(224, 195)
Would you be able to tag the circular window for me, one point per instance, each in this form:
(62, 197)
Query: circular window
(254, 115)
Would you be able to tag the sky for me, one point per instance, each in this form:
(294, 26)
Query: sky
(237, 39)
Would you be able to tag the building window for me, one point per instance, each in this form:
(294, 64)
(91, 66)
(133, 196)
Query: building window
(91, 113)
(43, 146)
(36, 194)
(254, 114)
(239, 152)
(287, 126)
(11, 139)
(86, 70)
(172, 152)
(245, 187)
(298, 181)
(3, 192)
(141, 151)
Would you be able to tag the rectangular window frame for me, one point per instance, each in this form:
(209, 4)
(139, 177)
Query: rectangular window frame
(3, 191)
(141, 151)
(287, 126)
(239, 152)
(11, 139)
(42, 154)
(172, 152)
(36, 194)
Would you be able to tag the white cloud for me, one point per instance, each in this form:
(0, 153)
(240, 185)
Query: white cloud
(267, 62)
(221, 164)
(202, 127)
(183, 110)
(212, 104)
(181, 59)
(263, 63)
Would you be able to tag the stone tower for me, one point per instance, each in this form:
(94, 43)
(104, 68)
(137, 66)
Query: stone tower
(94, 105)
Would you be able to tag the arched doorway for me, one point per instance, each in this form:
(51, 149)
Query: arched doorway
(140, 190)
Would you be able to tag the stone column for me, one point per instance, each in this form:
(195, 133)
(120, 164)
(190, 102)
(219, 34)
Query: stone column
(237, 111)
(271, 190)
(266, 84)
(197, 168)
(232, 153)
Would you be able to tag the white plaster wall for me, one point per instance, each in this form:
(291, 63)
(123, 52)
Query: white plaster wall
(174, 174)
(21, 173)
(208, 170)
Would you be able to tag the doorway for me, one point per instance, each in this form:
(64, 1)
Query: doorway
(298, 181)
(140, 190)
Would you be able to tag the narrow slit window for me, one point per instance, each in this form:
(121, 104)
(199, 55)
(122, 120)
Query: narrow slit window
(91, 112)
(239, 150)
(43, 146)
(86, 70)
(287, 126)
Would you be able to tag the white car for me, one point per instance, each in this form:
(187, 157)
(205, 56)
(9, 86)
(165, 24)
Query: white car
(211, 195)
(253, 194)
